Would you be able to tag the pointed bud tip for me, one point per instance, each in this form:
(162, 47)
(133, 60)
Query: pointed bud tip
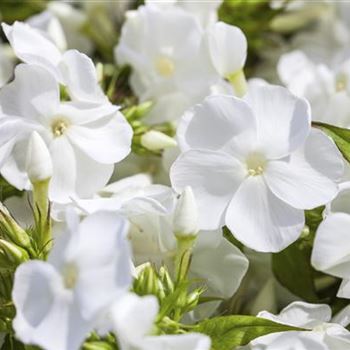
(38, 161)
(186, 215)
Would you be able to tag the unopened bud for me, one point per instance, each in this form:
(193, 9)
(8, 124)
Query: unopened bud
(10, 229)
(186, 215)
(155, 141)
(14, 254)
(38, 162)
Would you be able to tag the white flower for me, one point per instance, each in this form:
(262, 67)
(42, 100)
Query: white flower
(84, 141)
(322, 333)
(72, 68)
(38, 161)
(328, 91)
(255, 165)
(132, 321)
(330, 254)
(58, 302)
(168, 54)
(228, 48)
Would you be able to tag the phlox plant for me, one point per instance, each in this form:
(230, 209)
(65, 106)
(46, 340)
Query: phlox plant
(174, 175)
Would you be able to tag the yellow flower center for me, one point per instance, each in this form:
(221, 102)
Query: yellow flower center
(70, 275)
(341, 83)
(256, 164)
(165, 66)
(59, 126)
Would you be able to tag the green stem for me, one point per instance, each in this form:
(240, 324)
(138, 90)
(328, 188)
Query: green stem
(42, 214)
(183, 257)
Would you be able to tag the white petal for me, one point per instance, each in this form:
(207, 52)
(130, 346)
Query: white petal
(107, 142)
(45, 314)
(228, 48)
(214, 122)
(344, 289)
(260, 220)
(301, 314)
(192, 341)
(63, 181)
(91, 175)
(223, 267)
(80, 76)
(214, 177)
(104, 262)
(133, 317)
(13, 170)
(330, 254)
(288, 341)
(342, 317)
(32, 47)
(33, 94)
(275, 108)
(307, 179)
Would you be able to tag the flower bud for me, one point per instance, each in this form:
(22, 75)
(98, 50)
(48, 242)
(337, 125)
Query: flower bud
(186, 215)
(228, 48)
(11, 230)
(38, 162)
(14, 254)
(155, 140)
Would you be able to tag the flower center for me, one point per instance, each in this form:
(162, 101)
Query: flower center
(165, 66)
(256, 164)
(341, 83)
(70, 275)
(59, 126)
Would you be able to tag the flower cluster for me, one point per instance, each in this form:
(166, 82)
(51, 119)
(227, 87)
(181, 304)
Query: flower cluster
(174, 175)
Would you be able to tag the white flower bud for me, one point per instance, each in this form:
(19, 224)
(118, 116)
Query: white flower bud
(186, 215)
(155, 141)
(228, 48)
(38, 162)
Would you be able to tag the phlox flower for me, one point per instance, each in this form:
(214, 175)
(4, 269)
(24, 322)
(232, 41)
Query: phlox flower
(321, 331)
(255, 164)
(58, 302)
(72, 68)
(174, 67)
(84, 140)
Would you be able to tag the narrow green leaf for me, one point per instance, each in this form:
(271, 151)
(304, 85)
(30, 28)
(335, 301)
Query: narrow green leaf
(228, 332)
(340, 136)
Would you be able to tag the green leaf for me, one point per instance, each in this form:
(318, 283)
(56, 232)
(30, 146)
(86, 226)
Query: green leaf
(228, 332)
(292, 266)
(293, 270)
(340, 136)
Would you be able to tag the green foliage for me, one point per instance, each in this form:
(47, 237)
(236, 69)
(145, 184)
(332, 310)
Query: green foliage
(229, 332)
(12, 344)
(19, 10)
(340, 136)
(7, 190)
